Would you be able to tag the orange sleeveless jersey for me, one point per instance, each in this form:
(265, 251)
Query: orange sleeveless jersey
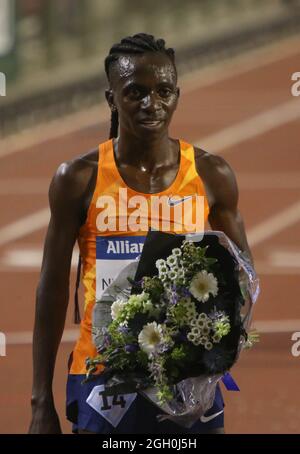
(117, 223)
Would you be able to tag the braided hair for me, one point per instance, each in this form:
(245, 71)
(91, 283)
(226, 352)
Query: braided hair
(133, 45)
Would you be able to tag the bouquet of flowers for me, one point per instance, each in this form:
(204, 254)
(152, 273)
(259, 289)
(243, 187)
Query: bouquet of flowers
(174, 321)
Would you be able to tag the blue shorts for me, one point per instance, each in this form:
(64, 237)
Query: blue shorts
(129, 414)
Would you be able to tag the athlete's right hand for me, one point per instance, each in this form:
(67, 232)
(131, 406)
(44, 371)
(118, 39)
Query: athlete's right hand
(44, 420)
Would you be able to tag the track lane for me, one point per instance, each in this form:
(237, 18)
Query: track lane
(210, 108)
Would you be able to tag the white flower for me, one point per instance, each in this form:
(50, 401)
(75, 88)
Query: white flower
(194, 322)
(200, 323)
(180, 273)
(196, 331)
(167, 286)
(203, 340)
(175, 268)
(116, 308)
(191, 337)
(208, 345)
(209, 324)
(203, 283)
(150, 338)
(172, 260)
(216, 338)
(163, 269)
(176, 251)
(159, 263)
(172, 275)
(194, 337)
(205, 330)
(163, 277)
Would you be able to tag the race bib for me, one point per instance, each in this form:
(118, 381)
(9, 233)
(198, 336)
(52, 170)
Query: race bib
(113, 253)
(112, 408)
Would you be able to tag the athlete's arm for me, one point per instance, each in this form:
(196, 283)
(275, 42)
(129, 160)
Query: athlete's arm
(222, 192)
(65, 198)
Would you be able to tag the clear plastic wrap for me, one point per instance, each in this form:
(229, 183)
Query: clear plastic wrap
(193, 396)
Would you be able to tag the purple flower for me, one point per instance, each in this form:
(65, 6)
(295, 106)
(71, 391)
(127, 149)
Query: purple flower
(107, 340)
(131, 348)
(123, 329)
(174, 298)
(164, 348)
(186, 291)
(139, 283)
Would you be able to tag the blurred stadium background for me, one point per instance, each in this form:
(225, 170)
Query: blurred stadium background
(235, 60)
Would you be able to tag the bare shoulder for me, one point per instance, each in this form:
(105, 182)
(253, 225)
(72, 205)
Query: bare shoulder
(217, 176)
(213, 166)
(72, 178)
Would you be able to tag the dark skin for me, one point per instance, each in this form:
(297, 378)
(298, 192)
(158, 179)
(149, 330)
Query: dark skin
(143, 89)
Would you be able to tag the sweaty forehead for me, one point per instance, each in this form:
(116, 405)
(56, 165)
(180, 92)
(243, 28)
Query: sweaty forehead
(151, 65)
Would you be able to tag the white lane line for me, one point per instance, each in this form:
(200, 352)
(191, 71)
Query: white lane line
(25, 337)
(273, 180)
(277, 326)
(285, 258)
(24, 186)
(280, 262)
(274, 224)
(95, 116)
(24, 226)
(240, 64)
(54, 129)
(265, 268)
(71, 335)
(27, 258)
(30, 261)
(257, 125)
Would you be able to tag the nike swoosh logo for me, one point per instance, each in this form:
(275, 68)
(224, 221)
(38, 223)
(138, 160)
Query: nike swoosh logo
(172, 203)
(205, 419)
